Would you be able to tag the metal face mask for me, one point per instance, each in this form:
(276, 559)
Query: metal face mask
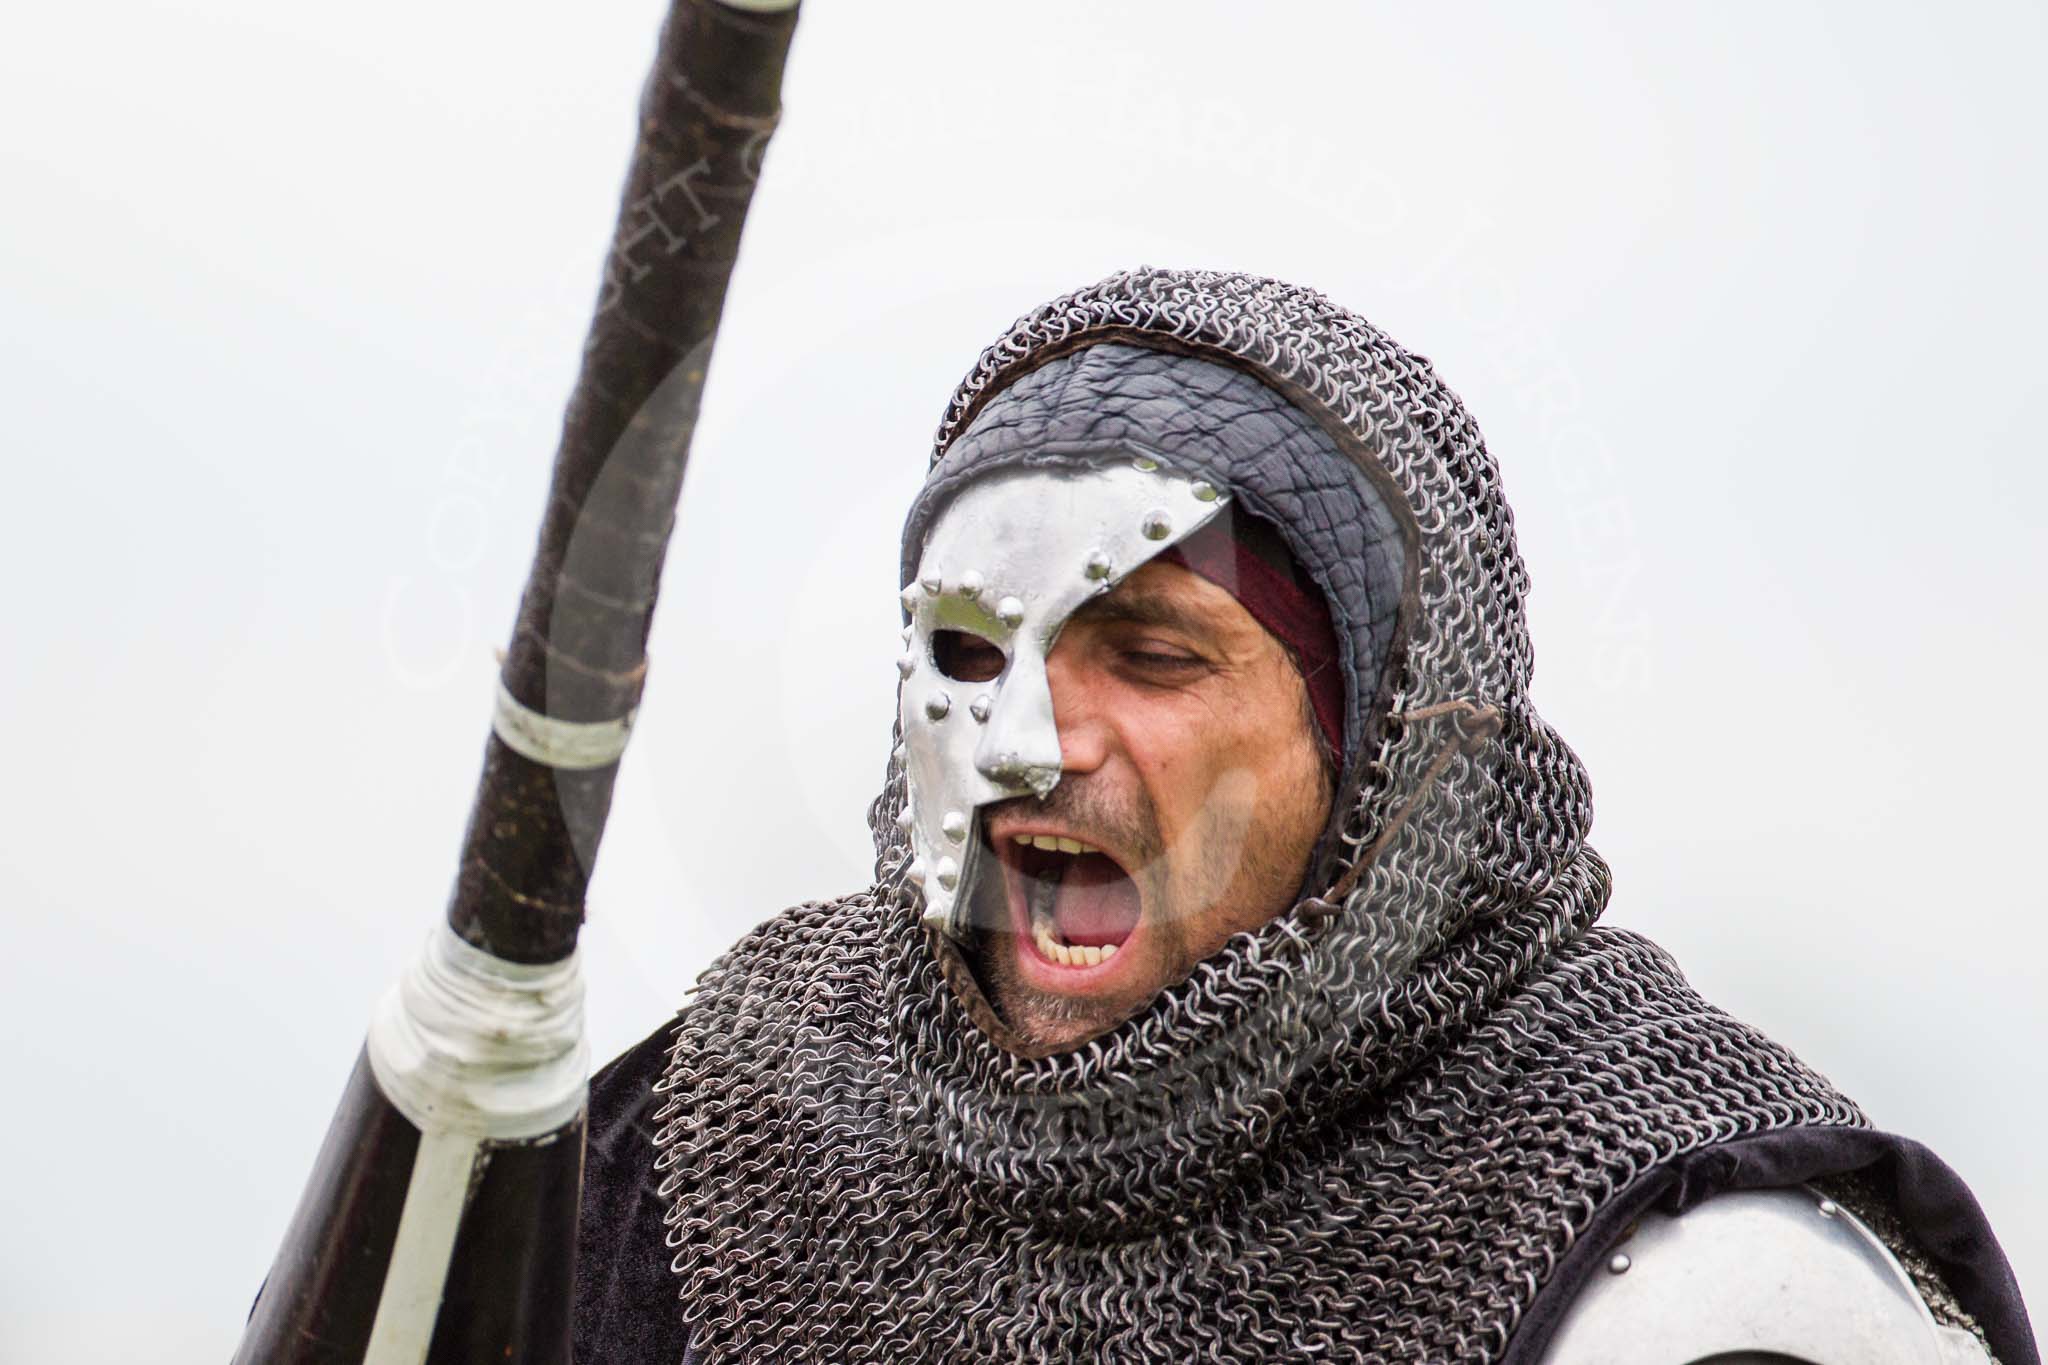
(1008, 560)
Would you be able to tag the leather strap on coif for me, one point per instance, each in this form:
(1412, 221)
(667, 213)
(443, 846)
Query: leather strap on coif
(1472, 724)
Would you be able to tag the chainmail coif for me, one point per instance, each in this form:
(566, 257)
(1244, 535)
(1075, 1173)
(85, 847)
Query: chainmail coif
(1365, 1132)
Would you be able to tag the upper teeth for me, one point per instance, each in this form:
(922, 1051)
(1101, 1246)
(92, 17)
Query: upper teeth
(1055, 843)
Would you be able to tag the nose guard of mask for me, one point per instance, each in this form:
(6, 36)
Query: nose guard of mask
(1009, 559)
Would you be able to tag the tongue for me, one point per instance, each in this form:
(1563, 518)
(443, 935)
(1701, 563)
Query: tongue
(1097, 904)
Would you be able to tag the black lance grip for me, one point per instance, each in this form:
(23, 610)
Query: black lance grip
(578, 651)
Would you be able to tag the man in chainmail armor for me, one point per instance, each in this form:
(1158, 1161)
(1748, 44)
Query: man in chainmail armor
(1230, 987)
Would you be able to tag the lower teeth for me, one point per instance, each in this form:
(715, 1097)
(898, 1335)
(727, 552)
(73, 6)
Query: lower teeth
(1066, 954)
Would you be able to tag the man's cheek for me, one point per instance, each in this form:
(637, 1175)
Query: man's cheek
(1214, 846)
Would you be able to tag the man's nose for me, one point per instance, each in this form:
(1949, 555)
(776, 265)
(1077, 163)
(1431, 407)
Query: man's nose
(1083, 739)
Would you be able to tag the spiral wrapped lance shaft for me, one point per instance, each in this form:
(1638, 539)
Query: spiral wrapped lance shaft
(440, 1221)
(577, 654)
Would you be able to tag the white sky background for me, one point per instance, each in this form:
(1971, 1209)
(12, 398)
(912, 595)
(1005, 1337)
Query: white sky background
(1745, 299)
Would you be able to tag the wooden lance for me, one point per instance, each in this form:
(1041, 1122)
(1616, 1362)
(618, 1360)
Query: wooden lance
(439, 1224)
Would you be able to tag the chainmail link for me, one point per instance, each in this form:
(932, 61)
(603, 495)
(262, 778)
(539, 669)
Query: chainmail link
(1364, 1132)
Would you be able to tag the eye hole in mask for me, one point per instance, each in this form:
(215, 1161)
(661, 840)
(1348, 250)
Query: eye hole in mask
(966, 657)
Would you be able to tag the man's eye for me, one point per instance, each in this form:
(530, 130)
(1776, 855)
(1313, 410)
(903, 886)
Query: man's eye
(966, 657)
(1162, 661)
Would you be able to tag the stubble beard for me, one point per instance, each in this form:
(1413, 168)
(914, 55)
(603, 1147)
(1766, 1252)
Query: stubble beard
(1223, 858)
(1048, 1019)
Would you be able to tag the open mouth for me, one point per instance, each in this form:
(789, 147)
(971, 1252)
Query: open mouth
(1075, 903)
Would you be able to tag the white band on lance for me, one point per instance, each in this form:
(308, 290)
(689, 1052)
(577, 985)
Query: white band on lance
(572, 745)
(470, 1048)
(466, 1042)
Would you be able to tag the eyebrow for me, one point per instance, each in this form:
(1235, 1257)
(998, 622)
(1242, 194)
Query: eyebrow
(1143, 609)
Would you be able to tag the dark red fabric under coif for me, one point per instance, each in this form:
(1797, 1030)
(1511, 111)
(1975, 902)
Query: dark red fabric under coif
(1247, 559)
